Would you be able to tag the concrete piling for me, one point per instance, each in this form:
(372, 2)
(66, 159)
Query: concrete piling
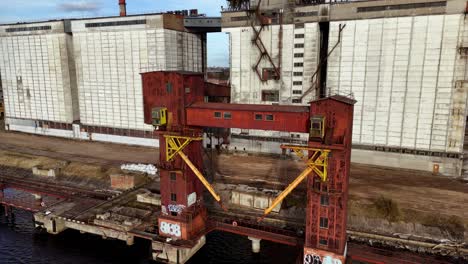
(255, 244)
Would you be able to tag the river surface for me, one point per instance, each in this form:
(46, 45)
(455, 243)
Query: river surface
(21, 243)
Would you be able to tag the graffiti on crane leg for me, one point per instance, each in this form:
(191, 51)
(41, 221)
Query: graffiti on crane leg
(312, 259)
(175, 208)
(316, 259)
(170, 229)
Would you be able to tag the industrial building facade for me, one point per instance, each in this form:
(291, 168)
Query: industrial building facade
(404, 63)
(110, 59)
(37, 76)
(81, 78)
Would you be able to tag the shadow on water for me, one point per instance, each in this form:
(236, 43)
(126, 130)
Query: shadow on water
(225, 248)
(20, 242)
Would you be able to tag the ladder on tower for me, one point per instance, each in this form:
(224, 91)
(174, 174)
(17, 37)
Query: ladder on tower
(256, 16)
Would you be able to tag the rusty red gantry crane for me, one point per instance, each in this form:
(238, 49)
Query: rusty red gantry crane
(174, 104)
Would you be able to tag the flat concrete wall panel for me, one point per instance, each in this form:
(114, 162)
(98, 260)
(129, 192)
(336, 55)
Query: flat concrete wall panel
(35, 72)
(109, 62)
(402, 72)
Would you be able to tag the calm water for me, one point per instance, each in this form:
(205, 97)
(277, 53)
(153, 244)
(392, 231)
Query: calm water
(21, 243)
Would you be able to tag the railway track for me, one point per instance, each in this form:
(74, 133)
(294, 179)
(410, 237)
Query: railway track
(23, 180)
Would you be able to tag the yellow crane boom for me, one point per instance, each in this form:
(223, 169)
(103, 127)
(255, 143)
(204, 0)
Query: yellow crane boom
(289, 189)
(174, 146)
(200, 176)
(317, 162)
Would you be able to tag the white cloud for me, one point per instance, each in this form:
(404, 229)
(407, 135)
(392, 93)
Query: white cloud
(83, 6)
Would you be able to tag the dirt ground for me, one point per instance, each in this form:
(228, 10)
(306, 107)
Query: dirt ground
(412, 191)
(419, 191)
(74, 150)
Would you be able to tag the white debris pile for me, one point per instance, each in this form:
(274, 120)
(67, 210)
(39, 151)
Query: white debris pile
(145, 168)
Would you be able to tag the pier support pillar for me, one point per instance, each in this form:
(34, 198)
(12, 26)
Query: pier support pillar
(37, 199)
(2, 186)
(130, 240)
(8, 211)
(5, 207)
(167, 253)
(255, 244)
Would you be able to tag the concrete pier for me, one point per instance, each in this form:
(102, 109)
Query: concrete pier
(168, 253)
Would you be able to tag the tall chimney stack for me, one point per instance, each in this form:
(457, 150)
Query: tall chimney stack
(123, 8)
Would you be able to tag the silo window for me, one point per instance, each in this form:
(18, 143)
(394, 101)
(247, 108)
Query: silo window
(270, 95)
(323, 241)
(324, 200)
(169, 87)
(217, 114)
(227, 115)
(317, 129)
(173, 197)
(323, 222)
(173, 176)
(258, 117)
(269, 74)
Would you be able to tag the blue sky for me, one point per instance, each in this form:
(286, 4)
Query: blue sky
(12, 11)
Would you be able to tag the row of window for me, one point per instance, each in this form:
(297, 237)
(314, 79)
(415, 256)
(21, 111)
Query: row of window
(227, 115)
(258, 117)
(268, 117)
(116, 23)
(298, 64)
(299, 45)
(306, 14)
(298, 55)
(299, 35)
(9, 30)
(324, 201)
(401, 6)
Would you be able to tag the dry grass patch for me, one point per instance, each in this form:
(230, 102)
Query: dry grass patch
(27, 161)
(85, 170)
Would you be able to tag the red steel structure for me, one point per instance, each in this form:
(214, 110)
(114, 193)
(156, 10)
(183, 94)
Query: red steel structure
(328, 122)
(183, 215)
(327, 201)
(123, 7)
(249, 116)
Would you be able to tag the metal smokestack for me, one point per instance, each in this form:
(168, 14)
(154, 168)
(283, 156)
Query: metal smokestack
(123, 8)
